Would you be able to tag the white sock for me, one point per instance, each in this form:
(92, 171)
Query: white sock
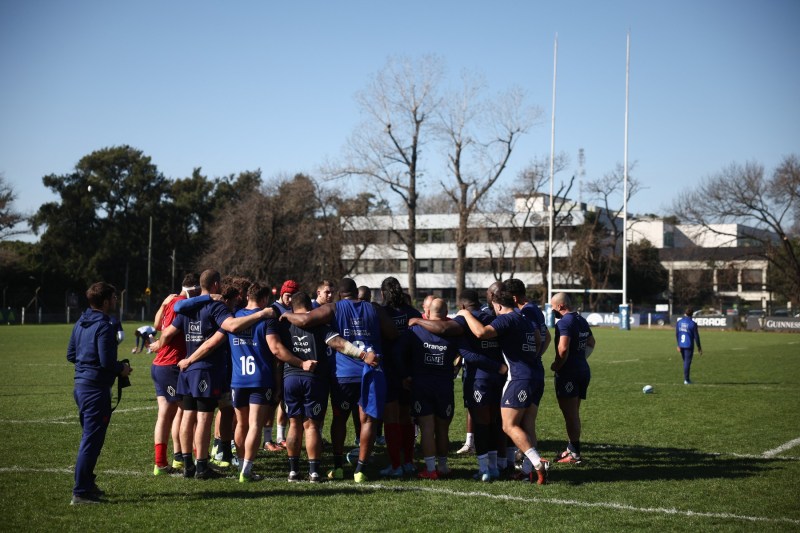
(533, 457)
(430, 464)
(281, 433)
(247, 467)
(483, 463)
(470, 440)
(267, 433)
(492, 457)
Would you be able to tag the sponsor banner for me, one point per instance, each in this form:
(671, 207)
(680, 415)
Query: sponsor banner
(773, 323)
(715, 321)
(610, 319)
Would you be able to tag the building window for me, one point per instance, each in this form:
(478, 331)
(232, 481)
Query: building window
(727, 280)
(752, 280)
(669, 239)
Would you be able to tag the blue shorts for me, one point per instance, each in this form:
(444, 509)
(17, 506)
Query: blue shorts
(345, 396)
(373, 391)
(245, 396)
(165, 379)
(521, 393)
(201, 383)
(480, 392)
(305, 396)
(572, 385)
(432, 396)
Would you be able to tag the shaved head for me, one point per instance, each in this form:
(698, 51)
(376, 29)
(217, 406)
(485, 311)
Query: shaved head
(438, 309)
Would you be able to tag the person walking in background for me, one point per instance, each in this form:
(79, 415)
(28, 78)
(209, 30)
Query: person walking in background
(687, 335)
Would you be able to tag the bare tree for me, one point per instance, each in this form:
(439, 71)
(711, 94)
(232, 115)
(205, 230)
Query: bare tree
(744, 195)
(400, 104)
(530, 222)
(479, 135)
(599, 243)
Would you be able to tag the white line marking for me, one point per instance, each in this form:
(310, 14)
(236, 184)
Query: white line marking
(73, 419)
(617, 362)
(469, 494)
(782, 448)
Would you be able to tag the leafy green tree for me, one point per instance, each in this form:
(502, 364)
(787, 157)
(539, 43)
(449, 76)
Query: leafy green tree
(100, 227)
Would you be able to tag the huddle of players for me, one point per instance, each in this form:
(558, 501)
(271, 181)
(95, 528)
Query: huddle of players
(387, 362)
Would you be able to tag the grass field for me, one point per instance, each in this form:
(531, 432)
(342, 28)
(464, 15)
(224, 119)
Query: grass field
(720, 455)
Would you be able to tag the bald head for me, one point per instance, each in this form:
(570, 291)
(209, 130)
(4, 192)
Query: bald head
(438, 309)
(561, 300)
(492, 289)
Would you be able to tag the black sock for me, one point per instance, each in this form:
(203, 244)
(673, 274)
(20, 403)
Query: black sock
(577, 446)
(337, 461)
(313, 466)
(294, 464)
(187, 460)
(360, 466)
(225, 448)
(202, 465)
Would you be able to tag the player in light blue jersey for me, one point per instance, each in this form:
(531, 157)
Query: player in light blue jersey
(573, 344)
(364, 324)
(687, 335)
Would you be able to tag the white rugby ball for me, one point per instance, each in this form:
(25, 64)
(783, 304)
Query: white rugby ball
(647, 389)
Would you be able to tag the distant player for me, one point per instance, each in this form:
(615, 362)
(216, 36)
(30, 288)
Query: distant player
(687, 335)
(143, 337)
(573, 342)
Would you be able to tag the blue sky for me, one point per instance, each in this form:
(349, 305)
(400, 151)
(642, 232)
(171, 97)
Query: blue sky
(232, 86)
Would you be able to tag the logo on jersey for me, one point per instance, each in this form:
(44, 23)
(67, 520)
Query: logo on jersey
(417, 407)
(345, 406)
(522, 396)
(530, 346)
(449, 410)
(300, 339)
(478, 396)
(317, 409)
(569, 387)
(171, 390)
(194, 327)
(202, 386)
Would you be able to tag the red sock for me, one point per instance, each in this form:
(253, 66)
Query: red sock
(394, 442)
(408, 441)
(161, 454)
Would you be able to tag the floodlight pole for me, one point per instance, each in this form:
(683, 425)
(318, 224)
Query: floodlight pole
(552, 171)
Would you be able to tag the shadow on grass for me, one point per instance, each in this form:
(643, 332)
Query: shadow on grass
(619, 462)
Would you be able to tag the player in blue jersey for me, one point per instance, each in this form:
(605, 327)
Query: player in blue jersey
(519, 340)
(484, 375)
(93, 350)
(397, 422)
(573, 344)
(202, 377)
(528, 308)
(364, 324)
(253, 381)
(687, 335)
(429, 373)
(306, 384)
(282, 305)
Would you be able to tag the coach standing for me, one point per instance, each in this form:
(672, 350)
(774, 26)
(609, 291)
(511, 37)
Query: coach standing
(93, 350)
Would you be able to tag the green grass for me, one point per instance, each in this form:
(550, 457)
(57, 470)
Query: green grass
(686, 458)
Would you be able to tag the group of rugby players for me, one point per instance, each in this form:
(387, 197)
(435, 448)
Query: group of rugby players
(223, 348)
